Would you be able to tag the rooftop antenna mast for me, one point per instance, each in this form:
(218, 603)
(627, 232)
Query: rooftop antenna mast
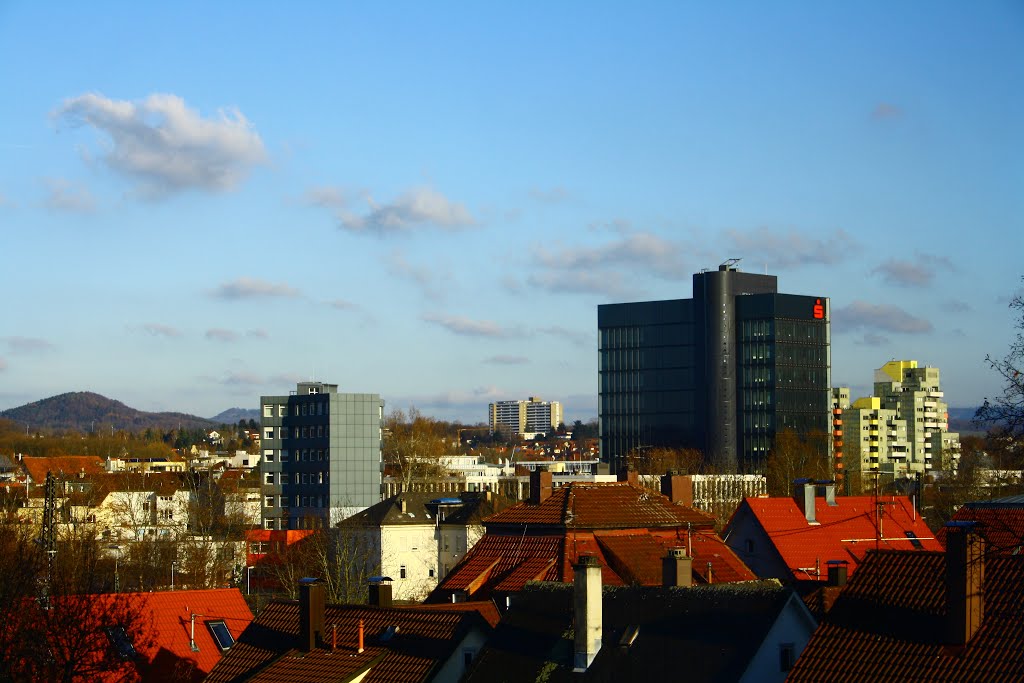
(48, 533)
(730, 263)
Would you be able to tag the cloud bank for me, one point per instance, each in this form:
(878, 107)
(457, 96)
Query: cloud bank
(254, 288)
(883, 317)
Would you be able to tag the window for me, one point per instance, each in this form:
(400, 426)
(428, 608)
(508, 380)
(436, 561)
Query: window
(282, 411)
(268, 455)
(268, 411)
(401, 572)
(268, 523)
(786, 657)
(270, 501)
(748, 545)
(121, 642)
(431, 572)
(268, 433)
(221, 634)
(268, 478)
(284, 456)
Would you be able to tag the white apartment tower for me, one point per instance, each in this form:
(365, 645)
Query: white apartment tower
(915, 394)
(533, 416)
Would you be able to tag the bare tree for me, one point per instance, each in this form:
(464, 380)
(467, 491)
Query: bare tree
(413, 447)
(795, 457)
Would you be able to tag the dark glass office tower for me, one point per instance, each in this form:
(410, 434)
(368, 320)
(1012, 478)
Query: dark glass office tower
(721, 372)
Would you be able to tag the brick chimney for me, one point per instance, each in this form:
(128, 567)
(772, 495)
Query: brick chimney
(311, 614)
(676, 568)
(587, 607)
(803, 494)
(380, 591)
(629, 474)
(677, 487)
(965, 582)
(540, 486)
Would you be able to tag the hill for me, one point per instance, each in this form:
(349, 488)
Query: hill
(231, 416)
(84, 411)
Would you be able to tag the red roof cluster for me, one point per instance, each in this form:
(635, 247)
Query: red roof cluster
(628, 528)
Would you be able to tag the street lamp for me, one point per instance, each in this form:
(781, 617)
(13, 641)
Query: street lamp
(247, 570)
(173, 566)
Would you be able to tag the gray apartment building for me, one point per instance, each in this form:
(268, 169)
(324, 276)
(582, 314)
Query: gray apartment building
(321, 455)
(721, 372)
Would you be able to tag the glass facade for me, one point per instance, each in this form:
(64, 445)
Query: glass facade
(668, 377)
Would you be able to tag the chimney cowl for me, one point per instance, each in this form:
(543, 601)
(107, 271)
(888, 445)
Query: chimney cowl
(587, 611)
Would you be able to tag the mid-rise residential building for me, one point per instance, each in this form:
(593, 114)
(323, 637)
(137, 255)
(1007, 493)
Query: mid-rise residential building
(722, 372)
(321, 455)
(875, 437)
(532, 416)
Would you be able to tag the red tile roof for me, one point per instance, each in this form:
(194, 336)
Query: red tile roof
(159, 626)
(269, 650)
(1002, 526)
(618, 505)
(844, 531)
(64, 466)
(887, 625)
(503, 563)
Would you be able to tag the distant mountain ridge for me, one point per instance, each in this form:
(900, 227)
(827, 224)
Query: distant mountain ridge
(84, 410)
(231, 416)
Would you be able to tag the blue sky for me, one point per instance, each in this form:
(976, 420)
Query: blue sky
(201, 203)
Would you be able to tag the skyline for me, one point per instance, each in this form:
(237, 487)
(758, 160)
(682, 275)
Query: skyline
(200, 207)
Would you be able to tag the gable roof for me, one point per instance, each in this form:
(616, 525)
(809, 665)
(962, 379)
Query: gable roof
(269, 649)
(614, 505)
(844, 531)
(504, 562)
(703, 633)
(887, 625)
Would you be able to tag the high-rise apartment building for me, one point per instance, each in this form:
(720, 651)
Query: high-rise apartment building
(902, 428)
(917, 397)
(321, 455)
(722, 372)
(533, 416)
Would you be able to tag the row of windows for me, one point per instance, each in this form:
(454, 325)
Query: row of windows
(272, 478)
(301, 455)
(298, 409)
(674, 334)
(650, 402)
(651, 358)
(299, 501)
(317, 432)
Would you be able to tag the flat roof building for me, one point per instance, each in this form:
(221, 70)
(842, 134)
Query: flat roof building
(721, 372)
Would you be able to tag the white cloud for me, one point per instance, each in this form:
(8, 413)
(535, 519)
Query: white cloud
(19, 345)
(425, 278)
(466, 327)
(552, 195)
(610, 284)
(421, 206)
(167, 147)
(884, 110)
(63, 195)
(577, 337)
(916, 273)
(257, 334)
(253, 288)
(784, 250)
(160, 330)
(883, 317)
(342, 305)
(221, 335)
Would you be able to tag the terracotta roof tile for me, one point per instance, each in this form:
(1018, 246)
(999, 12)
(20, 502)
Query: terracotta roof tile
(269, 648)
(1001, 526)
(64, 465)
(887, 625)
(602, 506)
(165, 646)
(845, 531)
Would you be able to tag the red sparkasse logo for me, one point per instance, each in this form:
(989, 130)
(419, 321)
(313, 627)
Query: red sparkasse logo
(819, 310)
